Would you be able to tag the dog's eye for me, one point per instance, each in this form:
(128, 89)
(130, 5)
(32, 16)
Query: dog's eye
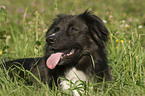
(74, 29)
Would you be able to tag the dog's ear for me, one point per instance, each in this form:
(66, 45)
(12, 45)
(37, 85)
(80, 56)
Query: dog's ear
(97, 29)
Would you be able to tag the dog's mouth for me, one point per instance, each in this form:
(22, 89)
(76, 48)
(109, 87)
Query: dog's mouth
(61, 56)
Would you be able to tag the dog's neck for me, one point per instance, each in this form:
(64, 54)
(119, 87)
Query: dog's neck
(84, 64)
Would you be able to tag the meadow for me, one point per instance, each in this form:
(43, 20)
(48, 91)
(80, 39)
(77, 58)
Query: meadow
(23, 24)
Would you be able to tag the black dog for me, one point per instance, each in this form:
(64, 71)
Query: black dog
(75, 45)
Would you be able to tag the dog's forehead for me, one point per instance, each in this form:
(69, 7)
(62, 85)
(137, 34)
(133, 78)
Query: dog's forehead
(65, 19)
(70, 20)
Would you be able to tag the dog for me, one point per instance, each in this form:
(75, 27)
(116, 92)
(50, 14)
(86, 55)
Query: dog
(75, 49)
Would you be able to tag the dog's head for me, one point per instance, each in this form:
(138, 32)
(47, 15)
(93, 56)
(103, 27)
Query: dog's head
(70, 35)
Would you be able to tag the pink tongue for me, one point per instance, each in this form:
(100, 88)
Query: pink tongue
(53, 60)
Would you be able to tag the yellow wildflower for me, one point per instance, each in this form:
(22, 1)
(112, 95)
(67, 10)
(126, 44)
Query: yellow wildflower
(1, 52)
(117, 47)
(117, 41)
(122, 41)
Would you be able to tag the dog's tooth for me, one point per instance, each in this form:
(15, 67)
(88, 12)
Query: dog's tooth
(69, 54)
(72, 51)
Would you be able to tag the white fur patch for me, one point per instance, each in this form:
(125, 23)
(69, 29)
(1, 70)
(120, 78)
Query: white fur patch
(73, 75)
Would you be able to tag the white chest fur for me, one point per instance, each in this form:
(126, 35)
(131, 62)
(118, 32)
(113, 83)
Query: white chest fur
(73, 75)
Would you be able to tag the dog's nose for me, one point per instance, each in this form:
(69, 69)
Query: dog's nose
(51, 39)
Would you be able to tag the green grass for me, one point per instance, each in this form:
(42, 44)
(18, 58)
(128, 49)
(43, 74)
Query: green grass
(22, 34)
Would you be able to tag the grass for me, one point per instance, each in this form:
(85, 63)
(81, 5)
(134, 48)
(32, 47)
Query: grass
(22, 34)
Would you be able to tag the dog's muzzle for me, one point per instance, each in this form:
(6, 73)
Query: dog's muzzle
(51, 39)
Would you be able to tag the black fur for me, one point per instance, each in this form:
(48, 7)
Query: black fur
(85, 33)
